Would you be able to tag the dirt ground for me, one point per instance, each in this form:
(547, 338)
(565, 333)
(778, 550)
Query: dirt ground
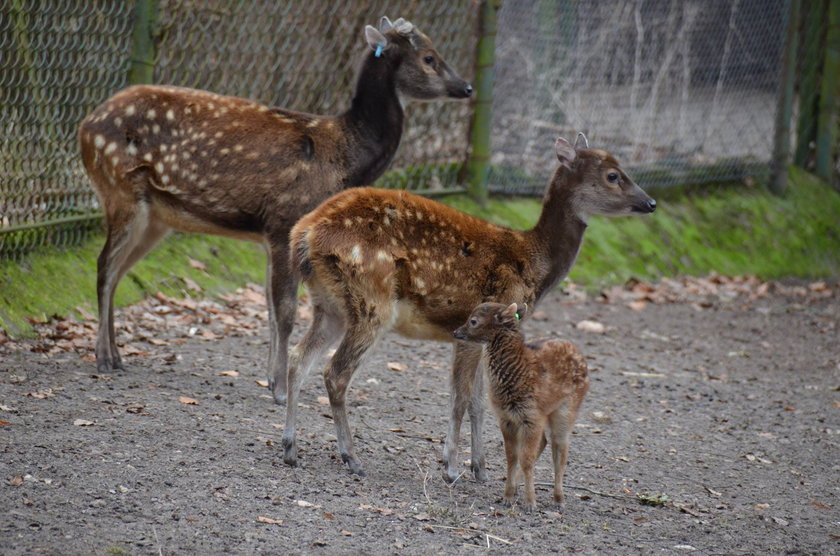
(712, 426)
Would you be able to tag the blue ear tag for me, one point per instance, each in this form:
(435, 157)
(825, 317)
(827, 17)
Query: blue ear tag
(378, 50)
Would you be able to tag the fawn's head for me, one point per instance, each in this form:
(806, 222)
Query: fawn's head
(422, 73)
(601, 186)
(489, 318)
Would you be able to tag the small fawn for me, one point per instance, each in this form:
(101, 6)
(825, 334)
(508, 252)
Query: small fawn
(163, 158)
(375, 260)
(532, 386)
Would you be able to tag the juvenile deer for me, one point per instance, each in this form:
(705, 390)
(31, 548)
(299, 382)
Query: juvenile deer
(164, 158)
(532, 387)
(374, 260)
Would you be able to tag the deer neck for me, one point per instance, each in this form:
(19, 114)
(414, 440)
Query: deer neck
(506, 358)
(374, 120)
(558, 234)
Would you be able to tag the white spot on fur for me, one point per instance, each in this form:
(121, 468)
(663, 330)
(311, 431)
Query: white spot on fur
(356, 254)
(224, 151)
(110, 148)
(382, 256)
(118, 121)
(99, 141)
(131, 150)
(129, 110)
(170, 115)
(155, 129)
(164, 179)
(313, 123)
(151, 113)
(159, 167)
(238, 148)
(147, 157)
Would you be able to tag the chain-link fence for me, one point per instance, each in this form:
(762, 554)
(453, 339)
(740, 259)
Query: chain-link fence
(681, 92)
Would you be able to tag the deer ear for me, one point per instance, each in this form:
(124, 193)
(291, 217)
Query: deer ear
(508, 315)
(385, 24)
(582, 141)
(565, 152)
(376, 40)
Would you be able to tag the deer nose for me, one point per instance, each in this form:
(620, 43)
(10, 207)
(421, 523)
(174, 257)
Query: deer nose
(651, 205)
(468, 90)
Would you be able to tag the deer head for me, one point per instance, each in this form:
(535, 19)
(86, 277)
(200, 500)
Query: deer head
(487, 319)
(422, 73)
(601, 186)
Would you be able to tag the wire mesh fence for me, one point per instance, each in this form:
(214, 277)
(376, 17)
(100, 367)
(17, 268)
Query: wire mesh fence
(681, 92)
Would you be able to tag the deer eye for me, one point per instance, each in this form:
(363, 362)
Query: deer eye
(473, 322)
(429, 60)
(612, 177)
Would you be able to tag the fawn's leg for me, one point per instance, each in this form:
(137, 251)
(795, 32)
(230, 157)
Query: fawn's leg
(532, 436)
(561, 430)
(462, 381)
(510, 435)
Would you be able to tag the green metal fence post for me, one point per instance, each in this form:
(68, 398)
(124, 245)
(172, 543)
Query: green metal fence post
(784, 106)
(827, 119)
(813, 16)
(143, 42)
(478, 164)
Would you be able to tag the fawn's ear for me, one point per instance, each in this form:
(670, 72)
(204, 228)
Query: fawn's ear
(508, 315)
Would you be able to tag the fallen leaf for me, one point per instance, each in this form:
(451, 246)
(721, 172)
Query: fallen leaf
(762, 506)
(394, 366)
(304, 504)
(230, 373)
(263, 383)
(263, 519)
(422, 516)
(17, 480)
(820, 506)
(7, 408)
(714, 492)
(191, 284)
(198, 265)
(323, 400)
(637, 305)
(83, 423)
(187, 401)
(4, 423)
(591, 326)
(158, 342)
(347, 533)
(329, 516)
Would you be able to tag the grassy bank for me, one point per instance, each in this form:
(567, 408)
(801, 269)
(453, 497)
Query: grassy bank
(731, 231)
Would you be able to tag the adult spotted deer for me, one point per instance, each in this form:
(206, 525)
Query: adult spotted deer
(375, 260)
(533, 387)
(165, 158)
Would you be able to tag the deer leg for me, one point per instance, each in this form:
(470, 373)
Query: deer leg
(476, 410)
(561, 430)
(325, 331)
(281, 291)
(131, 235)
(532, 437)
(360, 337)
(464, 366)
(510, 435)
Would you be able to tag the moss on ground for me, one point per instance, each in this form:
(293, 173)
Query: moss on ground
(730, 231)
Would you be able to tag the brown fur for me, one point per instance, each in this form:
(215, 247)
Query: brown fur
(165, 158)
(375, 260)
(532, 387)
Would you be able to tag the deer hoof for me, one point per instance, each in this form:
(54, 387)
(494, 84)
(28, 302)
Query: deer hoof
(479, 472)
(290, 452)
(354, 466)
